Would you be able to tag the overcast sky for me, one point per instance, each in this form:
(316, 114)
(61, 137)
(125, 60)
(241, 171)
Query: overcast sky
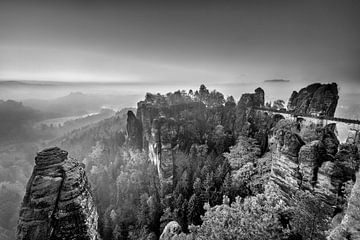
(227, 43)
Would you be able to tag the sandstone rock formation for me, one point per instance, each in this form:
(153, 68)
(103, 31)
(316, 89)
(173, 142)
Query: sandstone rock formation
(349, 228)
(172, 123)
(251, 123)
(58, 203)
(134, 131)
(244, 108)
(311, 166)
(171, 230)
(285, 165)
(316, 98)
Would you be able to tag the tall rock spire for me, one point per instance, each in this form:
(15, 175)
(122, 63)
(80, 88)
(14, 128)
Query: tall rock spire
(58, 203)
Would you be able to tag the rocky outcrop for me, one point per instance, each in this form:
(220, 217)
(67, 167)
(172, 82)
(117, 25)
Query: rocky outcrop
(319, 99)
(134, 131)
(244, 109)
(310, 159)
(251, 123)
(329, 139)
(308, 166)
(58, 203)
(348, 159)
(171, 230)
(285, 166)
(349, 228)
(172, 123)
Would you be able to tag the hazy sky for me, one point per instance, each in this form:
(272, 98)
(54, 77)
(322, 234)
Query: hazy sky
(221, 43)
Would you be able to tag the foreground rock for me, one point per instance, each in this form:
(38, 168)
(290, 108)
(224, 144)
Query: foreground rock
(58, 203)
(171, 230)
(349, 228)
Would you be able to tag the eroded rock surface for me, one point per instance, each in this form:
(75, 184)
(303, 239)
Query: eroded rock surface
(316, 98)
(171, 230)
(349, 228)
(311, 166)
(173, 123)
(58, 203)
(285, 165)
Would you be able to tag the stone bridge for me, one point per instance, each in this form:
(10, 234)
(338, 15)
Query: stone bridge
(347, 128)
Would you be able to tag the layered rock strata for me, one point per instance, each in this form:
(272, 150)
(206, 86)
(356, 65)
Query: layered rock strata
(349, 228)
(314, 166)
(319, 99)
(171, 230)
(58, 203)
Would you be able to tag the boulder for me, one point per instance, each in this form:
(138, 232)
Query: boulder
(171, 230)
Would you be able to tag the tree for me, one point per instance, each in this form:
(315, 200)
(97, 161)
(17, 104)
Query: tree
(230, 101)
(180, 212)
(203, 93)
(195, 210)
(278, 104)
(311, 216)
(246, 150)
(215, 99)
(243, 161)
(257, 217)
(227, 186)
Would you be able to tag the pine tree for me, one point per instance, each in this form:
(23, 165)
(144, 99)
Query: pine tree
(194, 210)
(227, 186)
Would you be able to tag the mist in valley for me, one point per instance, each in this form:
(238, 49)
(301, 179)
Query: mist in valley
(170, 118)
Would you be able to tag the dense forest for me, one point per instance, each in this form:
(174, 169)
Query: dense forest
(187, 162)
(198, 165)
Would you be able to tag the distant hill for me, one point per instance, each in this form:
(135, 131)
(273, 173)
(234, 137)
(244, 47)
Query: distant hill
(16, 121)
(77, 103)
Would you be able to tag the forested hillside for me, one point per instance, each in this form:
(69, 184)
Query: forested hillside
(197, 165)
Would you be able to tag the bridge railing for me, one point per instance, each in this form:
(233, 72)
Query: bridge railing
(335, 119)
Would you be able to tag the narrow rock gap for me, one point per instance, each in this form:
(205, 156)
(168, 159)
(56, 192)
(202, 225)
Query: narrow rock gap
(53, 220)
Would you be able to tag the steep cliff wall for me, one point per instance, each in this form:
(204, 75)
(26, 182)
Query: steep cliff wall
(315, 166)
(349, 228)
(58, 203)
(172, 123)
(244, 109)
(316, 98)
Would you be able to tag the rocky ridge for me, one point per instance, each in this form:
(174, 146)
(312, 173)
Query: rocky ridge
(58, 203)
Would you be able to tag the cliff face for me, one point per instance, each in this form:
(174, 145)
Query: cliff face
(315, 99)
(171, 231)
(285, 163)
(175, 122)
(316, 166)
(349, 228)
(58, 202)
(134, 130)
(244, 109)
(251, 123)
(168, 128)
